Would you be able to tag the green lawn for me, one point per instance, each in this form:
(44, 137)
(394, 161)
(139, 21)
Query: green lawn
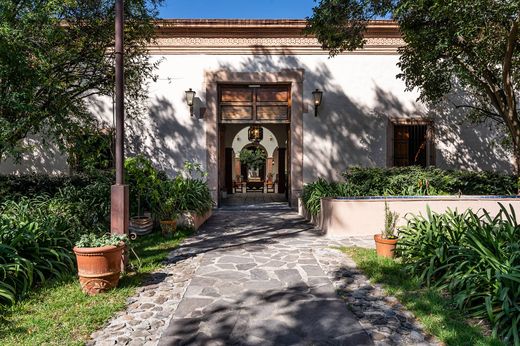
(60, 314)
(430, 306)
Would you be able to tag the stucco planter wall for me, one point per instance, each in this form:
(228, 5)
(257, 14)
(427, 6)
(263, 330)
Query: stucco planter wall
(341, 218)
(302, 211)
(192, 220)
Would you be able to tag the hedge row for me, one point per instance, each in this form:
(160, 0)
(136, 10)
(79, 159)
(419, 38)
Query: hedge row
(408, 181)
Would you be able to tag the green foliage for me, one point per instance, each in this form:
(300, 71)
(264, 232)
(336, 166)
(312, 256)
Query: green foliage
(13, 187)
(34, 245)
(414, 180)
(143, 179)
(59, 313)
(55, 55)
(427, 242)
(407, 181)
(92, 150)
(432, 307)
(37, 232)
(94, 240)
(165, 200)
(313, 192)
(253, 158)
(192, 195)
(476, 257)
(451, 46)
(391, 218)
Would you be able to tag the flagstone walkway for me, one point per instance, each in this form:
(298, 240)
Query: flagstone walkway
(261, 277)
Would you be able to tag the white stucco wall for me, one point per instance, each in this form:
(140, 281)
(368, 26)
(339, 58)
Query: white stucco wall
(360, 93)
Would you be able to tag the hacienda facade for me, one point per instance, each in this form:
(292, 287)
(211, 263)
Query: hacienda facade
(225, 86)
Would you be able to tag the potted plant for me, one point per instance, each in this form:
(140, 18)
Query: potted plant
(386, 241)
(99, 261)
(166, 206)
(142, 177)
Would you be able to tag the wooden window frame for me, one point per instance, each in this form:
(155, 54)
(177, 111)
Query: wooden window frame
(430, 138)
(254, 103)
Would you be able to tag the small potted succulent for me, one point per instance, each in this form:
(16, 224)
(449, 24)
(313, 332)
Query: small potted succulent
(386, 242)
(99, 261)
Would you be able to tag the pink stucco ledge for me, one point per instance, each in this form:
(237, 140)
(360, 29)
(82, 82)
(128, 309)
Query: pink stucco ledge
(341, 218)
(193, 220)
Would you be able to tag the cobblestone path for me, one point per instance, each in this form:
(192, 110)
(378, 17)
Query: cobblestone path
(261, 278)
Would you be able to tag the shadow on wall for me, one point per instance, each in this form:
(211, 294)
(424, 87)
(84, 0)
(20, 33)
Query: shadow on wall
(166, 139)
(43, 158)
(347, 133)
(463, 144)
(344, 134)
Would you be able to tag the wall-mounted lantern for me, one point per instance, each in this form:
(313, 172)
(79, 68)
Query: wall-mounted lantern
(255, 133)
(317, 95)
(190, 96)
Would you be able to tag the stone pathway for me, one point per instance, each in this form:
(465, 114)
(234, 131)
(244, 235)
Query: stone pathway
(261, 278)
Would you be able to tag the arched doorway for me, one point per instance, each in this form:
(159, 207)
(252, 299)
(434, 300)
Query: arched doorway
(253, 162)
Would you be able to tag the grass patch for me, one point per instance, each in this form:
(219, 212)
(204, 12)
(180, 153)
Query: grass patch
(60, 314)
(435, 311)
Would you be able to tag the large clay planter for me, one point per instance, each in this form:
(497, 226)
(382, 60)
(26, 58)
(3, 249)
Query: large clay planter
(99, 267)
(385, 247)
(168, 227)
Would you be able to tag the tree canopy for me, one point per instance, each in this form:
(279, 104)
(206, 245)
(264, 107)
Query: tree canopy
(56, 55)
(451, 46)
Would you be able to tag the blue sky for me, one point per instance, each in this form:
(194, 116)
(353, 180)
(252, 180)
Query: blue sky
(247, 9)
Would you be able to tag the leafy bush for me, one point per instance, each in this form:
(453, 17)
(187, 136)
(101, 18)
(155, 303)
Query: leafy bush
(14, 187)
(37, 233)
(188, 191)
(476, 257)
(143, 180)
(407, 181)
(193, 195)
(415, 180)
(426, 243)
(35, 245)
(313, 192)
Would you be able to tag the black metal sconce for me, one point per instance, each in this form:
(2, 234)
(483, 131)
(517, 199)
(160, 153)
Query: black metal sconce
(317, 95)
(190, 96)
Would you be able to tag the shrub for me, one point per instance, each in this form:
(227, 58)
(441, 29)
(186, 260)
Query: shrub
(313, 192)
(14, 187)
(192, 195)
(427, 242)
(415, 180)
(407, 181)
(107, 239)
(476, 257)
(35, 245)
(37, 233)
(143, 180)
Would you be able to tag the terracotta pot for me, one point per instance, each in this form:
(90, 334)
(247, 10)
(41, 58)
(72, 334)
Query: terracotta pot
(168, 227)
(99, 267)
(385, 247)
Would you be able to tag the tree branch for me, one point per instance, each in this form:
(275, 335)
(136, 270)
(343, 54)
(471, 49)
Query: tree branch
(495, 116)
(508, 61)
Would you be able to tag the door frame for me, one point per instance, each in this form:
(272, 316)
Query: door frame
(294, 77)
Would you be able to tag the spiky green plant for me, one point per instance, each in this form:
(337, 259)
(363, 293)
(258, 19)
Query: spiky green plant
(473, 255)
